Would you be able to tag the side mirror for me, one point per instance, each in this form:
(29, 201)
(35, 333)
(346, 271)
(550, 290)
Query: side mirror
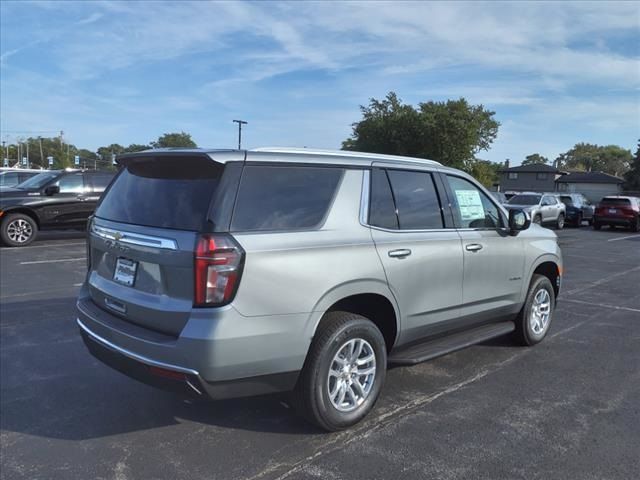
(518, 220)
(52, 190)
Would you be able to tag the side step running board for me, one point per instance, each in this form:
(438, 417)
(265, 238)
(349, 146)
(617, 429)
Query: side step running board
(441, 346)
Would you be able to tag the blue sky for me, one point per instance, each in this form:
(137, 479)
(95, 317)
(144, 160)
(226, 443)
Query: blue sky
(113, 72)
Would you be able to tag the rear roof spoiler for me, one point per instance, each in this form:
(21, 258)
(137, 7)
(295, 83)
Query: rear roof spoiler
(220, 156)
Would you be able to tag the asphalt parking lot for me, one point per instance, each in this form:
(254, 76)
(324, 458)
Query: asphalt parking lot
(567, 408)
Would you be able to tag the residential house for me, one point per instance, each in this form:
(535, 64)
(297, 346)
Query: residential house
(593, 185)
(534, 178)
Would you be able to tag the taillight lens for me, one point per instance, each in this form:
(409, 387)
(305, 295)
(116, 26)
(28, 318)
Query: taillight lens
(218, 266)
(89, 229)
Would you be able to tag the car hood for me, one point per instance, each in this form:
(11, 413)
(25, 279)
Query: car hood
(519, 207)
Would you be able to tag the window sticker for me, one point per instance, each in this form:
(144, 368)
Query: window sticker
(470, 205)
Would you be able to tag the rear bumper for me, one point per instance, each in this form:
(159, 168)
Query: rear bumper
(624, 221)
(229, 358)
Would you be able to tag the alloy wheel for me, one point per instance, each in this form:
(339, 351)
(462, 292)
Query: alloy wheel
(540, 312)
(19, 231)
(351, 374)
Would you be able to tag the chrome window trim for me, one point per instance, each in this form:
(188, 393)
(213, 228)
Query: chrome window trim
(133, 238)
(134, 356)
(364, 198)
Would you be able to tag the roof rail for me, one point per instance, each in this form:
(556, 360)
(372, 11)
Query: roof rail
(340, 153)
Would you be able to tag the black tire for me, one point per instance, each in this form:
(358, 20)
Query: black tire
(596, 225)
(524, 333)
(560, 222)
(311, 394)
(579, 221)
(537, 219)
(27, 230)
(635, 226)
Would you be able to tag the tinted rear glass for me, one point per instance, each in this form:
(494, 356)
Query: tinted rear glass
(382, 212)
(416, 200)
(172, 192)
(284, 198)
(525, 200)
(621, 202)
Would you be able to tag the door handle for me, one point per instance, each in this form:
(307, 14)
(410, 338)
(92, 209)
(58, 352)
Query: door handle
(400, 253)
(473, 247)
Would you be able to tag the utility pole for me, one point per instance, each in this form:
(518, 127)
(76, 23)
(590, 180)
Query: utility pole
(41, 154)
(28, 161)
(240, 123)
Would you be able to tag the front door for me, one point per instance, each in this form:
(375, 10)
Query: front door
(493, 259)
(421, 258)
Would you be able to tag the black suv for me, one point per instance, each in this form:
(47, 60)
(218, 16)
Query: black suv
(53, 199)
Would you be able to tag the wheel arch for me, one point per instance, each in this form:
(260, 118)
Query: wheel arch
(548, 265)
(25, 211)
(370, 298)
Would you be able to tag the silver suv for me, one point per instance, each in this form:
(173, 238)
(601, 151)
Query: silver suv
(235, 273)
(543, 208)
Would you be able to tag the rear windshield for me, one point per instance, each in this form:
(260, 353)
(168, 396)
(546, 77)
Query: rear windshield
(568, 201)
(172, 192)
(616, 201)
(525, 200)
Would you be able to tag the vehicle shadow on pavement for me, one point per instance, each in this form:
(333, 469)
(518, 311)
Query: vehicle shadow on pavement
(52, 387)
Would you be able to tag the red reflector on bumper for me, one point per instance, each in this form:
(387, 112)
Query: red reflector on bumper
(165, 373)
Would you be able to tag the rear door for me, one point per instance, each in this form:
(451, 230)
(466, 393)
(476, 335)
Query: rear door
(422, 258)
(493, 259)
(143, 237)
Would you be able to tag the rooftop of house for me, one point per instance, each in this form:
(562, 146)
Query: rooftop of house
(589, 177)
(537, 168)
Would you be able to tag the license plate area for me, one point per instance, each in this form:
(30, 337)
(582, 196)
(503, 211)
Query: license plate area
(125, 271)
(613, 211)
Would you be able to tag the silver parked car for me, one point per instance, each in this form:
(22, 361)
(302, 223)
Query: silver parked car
(235, 273)
(543, 208)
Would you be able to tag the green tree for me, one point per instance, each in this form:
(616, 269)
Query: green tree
(632, 177)
(450, 132)
(135, 147)
(535, 159)
(587, 157)
(169, 140)
(486, 172)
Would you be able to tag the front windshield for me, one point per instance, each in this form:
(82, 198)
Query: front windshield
(525, 200)
(38, 181)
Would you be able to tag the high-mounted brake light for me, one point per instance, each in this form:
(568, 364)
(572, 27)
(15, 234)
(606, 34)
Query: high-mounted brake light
(218, 266)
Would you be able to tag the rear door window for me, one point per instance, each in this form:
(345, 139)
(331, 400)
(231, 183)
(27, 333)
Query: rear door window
(382, 209)
(73, 183)
(416, 200)
(272, 198)
(9, 179)
(172, 192)
(98, 182)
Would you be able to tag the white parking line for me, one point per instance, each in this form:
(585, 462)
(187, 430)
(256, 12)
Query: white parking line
(603, 305)
(623, 238)
(53, 261)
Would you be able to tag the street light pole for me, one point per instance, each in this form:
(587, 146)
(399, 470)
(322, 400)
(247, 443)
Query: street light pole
(240, 123)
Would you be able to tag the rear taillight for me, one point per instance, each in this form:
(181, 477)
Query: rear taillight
(89, 229)
(218, 266)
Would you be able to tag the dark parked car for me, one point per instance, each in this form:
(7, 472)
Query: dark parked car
(52, 199)
(10, 177)
(618, 211)
(578, 208)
